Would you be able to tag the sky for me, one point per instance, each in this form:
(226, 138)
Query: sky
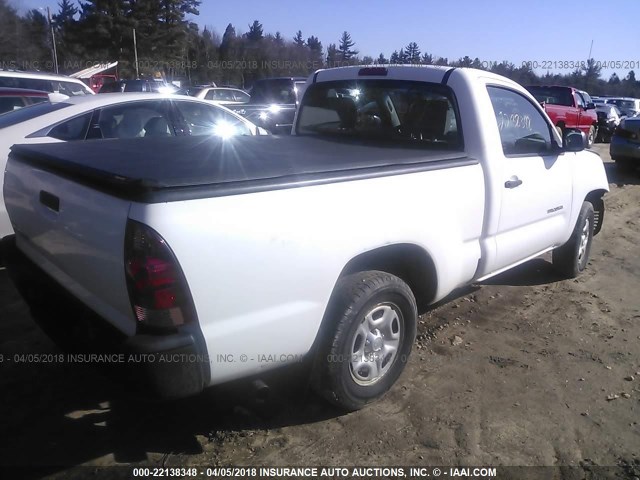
(551, 34)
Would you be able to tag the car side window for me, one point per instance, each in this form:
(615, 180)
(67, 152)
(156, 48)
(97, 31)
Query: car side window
(204, 119)
(580, 100)
(523, 129)
(134, 119)
(73, 129)
(226, 95)
(241, 97)
(211, 95)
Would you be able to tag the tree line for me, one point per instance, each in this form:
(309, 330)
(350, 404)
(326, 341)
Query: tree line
(169, 44)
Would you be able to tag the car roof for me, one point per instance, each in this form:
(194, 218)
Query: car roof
(116, 97)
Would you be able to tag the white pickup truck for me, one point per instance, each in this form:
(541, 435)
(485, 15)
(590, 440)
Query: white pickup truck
(237, 255)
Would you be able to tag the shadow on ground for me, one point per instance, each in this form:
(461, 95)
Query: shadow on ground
(57, 414)
(621, 177)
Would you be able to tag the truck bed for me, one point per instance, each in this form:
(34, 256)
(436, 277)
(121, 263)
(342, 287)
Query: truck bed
(165, 169)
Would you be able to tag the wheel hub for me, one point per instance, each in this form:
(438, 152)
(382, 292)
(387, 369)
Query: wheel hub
(375, 343)
(584, 240)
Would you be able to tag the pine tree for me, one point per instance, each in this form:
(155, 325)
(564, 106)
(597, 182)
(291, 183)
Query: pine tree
(315, 51)
(402, 56)
(255, 33)
(66, 14)
(298, 40)
(332, 55)
(413, 53)
(345, 47)
(381, 60)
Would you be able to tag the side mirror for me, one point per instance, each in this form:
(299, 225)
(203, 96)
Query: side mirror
(575, 141)
(590, 106)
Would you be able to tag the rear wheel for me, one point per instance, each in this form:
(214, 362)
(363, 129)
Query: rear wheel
(368, 336)
(571, 258)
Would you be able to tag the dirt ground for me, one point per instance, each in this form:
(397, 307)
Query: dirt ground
(526, 369)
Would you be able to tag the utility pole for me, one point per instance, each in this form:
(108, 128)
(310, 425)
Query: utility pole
(135, 52)
(53, 41)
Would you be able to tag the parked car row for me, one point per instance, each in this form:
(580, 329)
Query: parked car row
(628, 107)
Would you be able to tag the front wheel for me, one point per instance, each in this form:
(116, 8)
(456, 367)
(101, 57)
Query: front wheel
(591, 137)
(368, 335)
(571, 258)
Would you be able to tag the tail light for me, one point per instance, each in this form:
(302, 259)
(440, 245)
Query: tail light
(158, 291)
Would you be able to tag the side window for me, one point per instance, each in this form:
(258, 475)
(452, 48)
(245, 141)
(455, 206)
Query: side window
(211, 95)
(523, 129)
(8, 104)
(241, 97)
(579, 100)
(71, 89)
(226, 95)
(73, 129)
(204, 119)
(135, 119)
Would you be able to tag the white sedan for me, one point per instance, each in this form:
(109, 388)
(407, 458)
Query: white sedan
(222, 95)
(114, 115)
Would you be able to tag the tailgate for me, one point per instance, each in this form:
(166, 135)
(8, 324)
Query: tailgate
(75, 233)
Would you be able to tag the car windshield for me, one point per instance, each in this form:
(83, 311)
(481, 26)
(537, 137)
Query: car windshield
(27, 113)
(274, 91)
(552, 95)
(402, 112)
(627, 104)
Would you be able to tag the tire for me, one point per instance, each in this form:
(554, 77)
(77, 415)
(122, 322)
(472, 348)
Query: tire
(624, 165)
(560, 130)
(571, 258)
(591, 137)
(368, 333)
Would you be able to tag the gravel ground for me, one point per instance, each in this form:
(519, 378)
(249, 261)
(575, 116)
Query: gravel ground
(525, 369)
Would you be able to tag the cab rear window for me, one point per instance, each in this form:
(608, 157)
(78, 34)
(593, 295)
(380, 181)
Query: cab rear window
(418, 114)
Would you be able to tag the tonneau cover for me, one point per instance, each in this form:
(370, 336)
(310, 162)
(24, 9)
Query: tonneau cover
(137, 168)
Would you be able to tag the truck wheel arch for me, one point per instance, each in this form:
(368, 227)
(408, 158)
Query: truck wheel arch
(596, 198)
(409, 262)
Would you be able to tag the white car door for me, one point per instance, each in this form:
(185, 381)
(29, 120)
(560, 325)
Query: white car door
(535, 183)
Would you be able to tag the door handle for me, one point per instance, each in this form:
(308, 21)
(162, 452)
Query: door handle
(513, 183)
(50, 201)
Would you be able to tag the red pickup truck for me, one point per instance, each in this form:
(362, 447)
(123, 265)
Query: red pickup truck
(568, 108)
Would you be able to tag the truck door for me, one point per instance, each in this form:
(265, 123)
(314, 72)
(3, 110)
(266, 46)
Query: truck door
(583, 121)
(535, 180)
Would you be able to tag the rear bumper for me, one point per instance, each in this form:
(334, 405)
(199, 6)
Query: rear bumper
(163, 366)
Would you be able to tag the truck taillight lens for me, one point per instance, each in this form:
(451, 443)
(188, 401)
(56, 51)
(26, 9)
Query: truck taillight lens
(158, 291)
